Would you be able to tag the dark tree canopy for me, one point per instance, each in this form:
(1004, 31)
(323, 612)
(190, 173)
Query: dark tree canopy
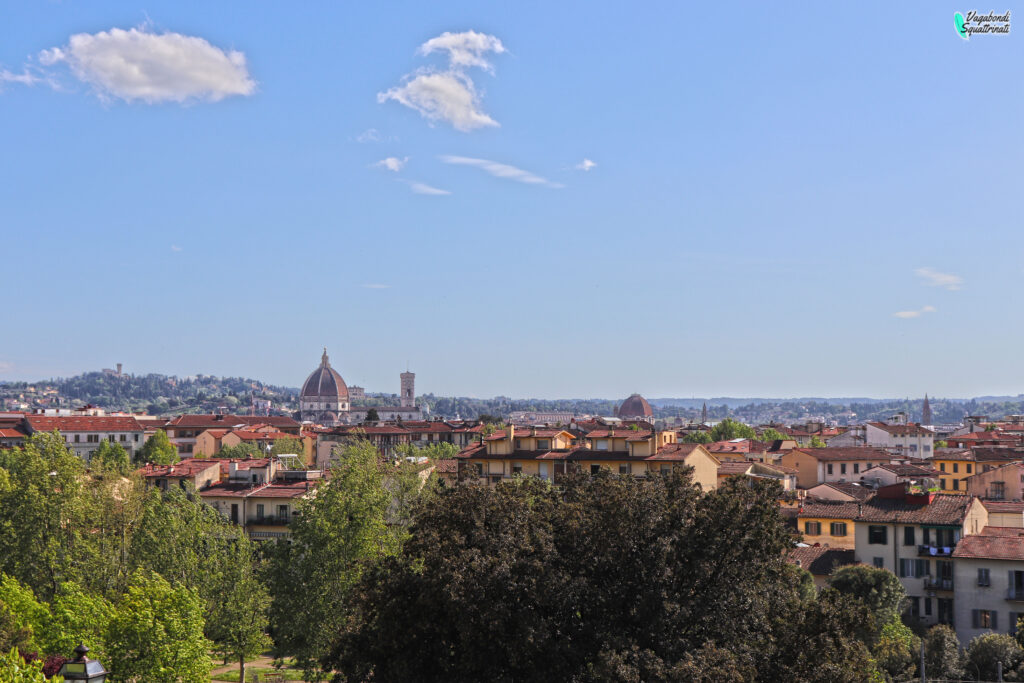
(601, 579)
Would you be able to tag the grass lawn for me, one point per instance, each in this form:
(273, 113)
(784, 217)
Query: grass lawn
(289, 674)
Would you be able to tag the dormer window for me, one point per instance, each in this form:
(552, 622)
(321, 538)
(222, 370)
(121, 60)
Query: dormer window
(601, 445)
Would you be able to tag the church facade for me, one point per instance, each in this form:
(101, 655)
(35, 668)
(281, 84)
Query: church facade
(325, 399)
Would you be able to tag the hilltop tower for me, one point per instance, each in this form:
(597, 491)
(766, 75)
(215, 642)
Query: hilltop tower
(408, 395)
(926, 412)
(704, 414)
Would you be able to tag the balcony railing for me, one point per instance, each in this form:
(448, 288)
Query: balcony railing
(935, 550)
(1016, 594)
(934, 583)
(271, 520)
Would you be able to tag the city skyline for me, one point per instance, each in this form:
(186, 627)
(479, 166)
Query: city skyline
(648, 201)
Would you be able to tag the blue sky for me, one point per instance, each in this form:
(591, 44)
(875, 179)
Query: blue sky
(769, 189)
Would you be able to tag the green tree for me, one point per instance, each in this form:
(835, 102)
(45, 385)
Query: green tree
(30, 617)
(942, 655)
(985, 652)
(13, 669)
(238, 625)
(897, 650)
(78, 617)
(816, 442)
(335, 535)
(941, 444)
(111, 457)
(372, 416)
(13, 633)
(696, 437)
(243, 450)
(159, 450)
(601, 579)
(878, 589)
(729, 429)
(772, 434)
(156, 634)
(289, 446)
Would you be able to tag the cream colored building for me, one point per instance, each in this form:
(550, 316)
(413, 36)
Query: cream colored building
(989, 581)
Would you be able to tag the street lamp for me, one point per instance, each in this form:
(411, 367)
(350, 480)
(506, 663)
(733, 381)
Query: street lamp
(81, 668)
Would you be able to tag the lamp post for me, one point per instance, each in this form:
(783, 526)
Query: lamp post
(81, 668)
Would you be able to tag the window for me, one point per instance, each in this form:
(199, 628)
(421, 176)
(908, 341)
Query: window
(110, 438)
(878, 562)
(594, 469)
(915, 606)
(479, 468)
(927, 607)
(913, 448)
(927, 449)
(942, 467)
(867, 466)
(877, 535)
(543, 444)
(623, 468)
(829, 468)
(908, 536)
(838, 529)
(282, 513)
(942, 483)
(955, 466)
(601, 444)
(78, 438)
(812, 528)
(842, 468)
(517, 468)
(968, 466)
(913, 568)
(997, 491)
(124, 437)
(666, 468)
(259, 511)
(983, 577)
(956, 484)
(856, 468)
(985, 618)
(519, 444)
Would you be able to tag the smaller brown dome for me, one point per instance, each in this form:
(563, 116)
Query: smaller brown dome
(635, 406)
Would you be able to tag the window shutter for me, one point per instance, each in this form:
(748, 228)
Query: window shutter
(974, 618)
(1009, 582)
(926, 536)
(995, 620)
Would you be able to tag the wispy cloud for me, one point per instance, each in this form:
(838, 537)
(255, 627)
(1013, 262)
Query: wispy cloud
(914, 314)
(140, 65)
(934, 278)
(423, 188)
(392, 163)
(449, 94)
(373, 135)
(499, 170)
(585, 165)
(175, 248)
(24, 78)
(5, 366)
(375, 286)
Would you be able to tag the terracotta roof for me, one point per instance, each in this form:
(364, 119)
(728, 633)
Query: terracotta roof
(998, 454)
(183, 469)
(902, 430)
(81, 423)
(674, 452)
(831, 509)
(906, 470)
(849, 453)
(447, 466)
(369, 430)
(324, 383)
(730, 467)
(945, 509)
(993, 543)
(225, 488)
(14, 433)
(207, 421)
(246, 435)
(1004, 506)
(216, 433)
(729, 446)
(953, 454)
(851, 489)
(281, 490)
(820, 560)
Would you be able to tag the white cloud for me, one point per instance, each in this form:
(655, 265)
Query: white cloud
(24, 78)
(500, 170)
(423, 188)
(934, 278)
(375, 286)
(914, 314)
(139, 65)
(175, 248)
(464, 49)
(392, 163)
(449, 95)
(445, 96)
(6, 366)
(374, 135)
(585, 165)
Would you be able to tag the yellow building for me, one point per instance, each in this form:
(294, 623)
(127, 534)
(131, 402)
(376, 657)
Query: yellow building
(829, 523)
(549, 453)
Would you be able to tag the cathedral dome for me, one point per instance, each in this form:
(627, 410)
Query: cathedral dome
(325, 383)
(635, 406)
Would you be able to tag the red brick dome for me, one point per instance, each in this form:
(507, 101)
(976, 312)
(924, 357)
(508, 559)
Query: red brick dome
(635, 406)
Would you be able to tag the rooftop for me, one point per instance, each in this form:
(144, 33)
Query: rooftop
(993, 543)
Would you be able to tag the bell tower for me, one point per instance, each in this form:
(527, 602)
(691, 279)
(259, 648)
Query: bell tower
(408, 395)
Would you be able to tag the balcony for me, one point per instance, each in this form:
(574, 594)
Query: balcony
(271, 520)
(934, 583)
(935, 550)
(1015, 594)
